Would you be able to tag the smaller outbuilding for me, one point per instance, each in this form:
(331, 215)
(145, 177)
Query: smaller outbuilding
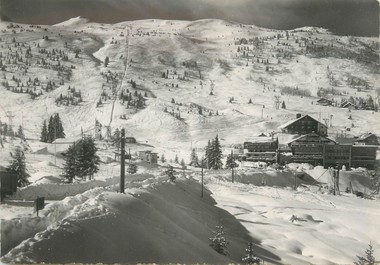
(324, 102)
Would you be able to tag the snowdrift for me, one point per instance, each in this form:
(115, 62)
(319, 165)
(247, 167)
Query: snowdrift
(164, 223)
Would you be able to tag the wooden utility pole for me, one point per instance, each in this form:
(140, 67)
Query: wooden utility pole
(122, 160)
(337, 182)
(232, 166)
(202, 163)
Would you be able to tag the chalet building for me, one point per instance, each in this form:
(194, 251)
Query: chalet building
(304, 125)
(260, 148)
(309, 148)
(324, 102)
(368, 139)
(337, 155)
(364, 139)
(319, 150)
(363, 156)
(148, 156)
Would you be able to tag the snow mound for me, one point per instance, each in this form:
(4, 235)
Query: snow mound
(73, 22)
(164, 223)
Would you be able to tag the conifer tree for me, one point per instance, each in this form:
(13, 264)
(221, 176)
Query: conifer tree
(250, 257)
(216, 154)
(106, 61)
(176, 159)
(69, 170)
(218, 241)
(369, 259)
(170, 173)
(51, 130)
(183, 165)
(20, 133)
(18, 168)
(163, 159)
(88, 161)
(81, 159)
(194, 161)
(283, 105)
(44, 133)
(58, 127)
(116, 139)
(230, 162)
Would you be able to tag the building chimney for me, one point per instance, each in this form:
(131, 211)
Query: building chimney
(298, 115)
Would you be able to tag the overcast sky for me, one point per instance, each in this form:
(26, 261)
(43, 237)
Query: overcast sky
(345, 17)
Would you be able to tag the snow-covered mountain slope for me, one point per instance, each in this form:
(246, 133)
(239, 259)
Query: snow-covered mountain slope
(186, 61)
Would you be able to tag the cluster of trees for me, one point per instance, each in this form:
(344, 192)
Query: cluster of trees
(81, 159)
(74, 97)
(326, 92)
(213, 154)
(6, 130)
(53, 130)
(354, 81)
(363, 103)
(295, 91)
(136, 100)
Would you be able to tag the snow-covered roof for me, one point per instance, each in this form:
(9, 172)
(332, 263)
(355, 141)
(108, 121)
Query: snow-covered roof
(260, 139)
(313, 135)
(365, 136)
(295, 120)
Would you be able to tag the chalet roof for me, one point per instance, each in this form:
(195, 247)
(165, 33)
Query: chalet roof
(313, 137)
(346, 140)
(346, 103)
(365, 136)
(296, 120)
(323, 99)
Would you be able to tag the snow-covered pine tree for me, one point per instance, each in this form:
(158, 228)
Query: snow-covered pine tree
(208, 154)
(116, 139)
(183, 165)
(18, 168)
(250, 258)
(218, 241)
(44, 133)
(216, 154)
(70, 166)
(170, 173)
(369, 259)
(58, 127)
(194, 161)
(51, 130)
(20, 133)
(230, 162)
(283, 105)
(163, 159)
(88, 161)
(176, 159)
